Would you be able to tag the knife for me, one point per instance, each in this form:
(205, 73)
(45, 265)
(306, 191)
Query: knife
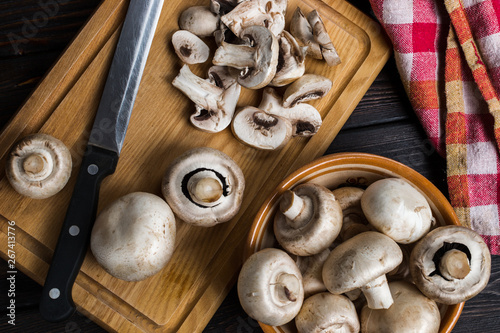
(101, 156)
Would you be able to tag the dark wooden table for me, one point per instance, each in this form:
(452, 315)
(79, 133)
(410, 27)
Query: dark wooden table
(33, 33)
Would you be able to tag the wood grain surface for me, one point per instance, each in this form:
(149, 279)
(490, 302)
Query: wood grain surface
(382, 123)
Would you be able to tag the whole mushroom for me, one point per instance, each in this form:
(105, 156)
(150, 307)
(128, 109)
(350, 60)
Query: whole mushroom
(353, 218)
(311, 268)
(133, 238)
(38, 166)
(270, 287)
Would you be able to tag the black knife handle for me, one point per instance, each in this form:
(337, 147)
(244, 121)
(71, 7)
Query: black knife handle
(56, 303)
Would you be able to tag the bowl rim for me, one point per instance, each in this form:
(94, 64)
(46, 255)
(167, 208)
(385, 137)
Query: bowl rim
(355, 158)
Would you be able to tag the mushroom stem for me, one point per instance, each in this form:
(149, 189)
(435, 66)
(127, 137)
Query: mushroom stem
(298, 210)
(37, 165)
(454, 265)
(205, 188)
(377, 293)
(286, 289)
(234, 55)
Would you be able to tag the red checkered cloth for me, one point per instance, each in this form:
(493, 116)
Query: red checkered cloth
(448, 56)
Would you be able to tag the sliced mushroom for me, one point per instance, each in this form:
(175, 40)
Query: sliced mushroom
(261, 130)
(354, 221)
(133, 238)
(270, 287)
(215, 106)
(223, 6)
(450, 264)
(38, 166)
(268, 14)
(321, 36)
(308, 221)
(306, 88)
(301, 29)
(256, 60)
(311, 268)
(199, 20)
(395, 208)
(189, 47)
(291, 61)
(204, 187)
(325, 312)
(362, 262)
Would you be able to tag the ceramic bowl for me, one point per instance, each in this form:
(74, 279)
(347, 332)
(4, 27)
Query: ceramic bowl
(358, 169)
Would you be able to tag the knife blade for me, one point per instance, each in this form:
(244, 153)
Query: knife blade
(100, 157)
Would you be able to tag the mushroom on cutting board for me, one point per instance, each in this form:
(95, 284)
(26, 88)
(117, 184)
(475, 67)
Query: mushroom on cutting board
(308, 221)
(189, 47)
(450, 264)
(362, 262)
(395, 208)
(270, 287)
(133, 238)
(321, 36)
(204, 187)
(38, 166)
(306, 88)
(199, 20)
(411, 312)
(291, 60)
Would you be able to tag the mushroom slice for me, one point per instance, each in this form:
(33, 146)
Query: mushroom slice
(321, 36)
(223, 6)
(270, 287)
(189, 47)
(256, 60)
(265, 13)
(395, 208)
(199, 20)
(301, 29)
(308, 221)
(306, 88)
(38, 166)
(204, 187)
(134, 237)
(290, 61)
(325, 312)
(411, 312)
(362, 262)
(215, 105)
(450, 264)
(261, 130)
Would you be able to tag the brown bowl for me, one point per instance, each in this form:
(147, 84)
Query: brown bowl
(357, 169)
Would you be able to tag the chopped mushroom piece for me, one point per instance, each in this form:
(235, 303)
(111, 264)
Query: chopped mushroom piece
(306, 88)
(199, 20)
(38, 166)
(270, 287)
(222, 7)
(309, 219)
(451, 264)
(189, 47)
(291, 61)
(321, 36)
(301, 29)
(204, 187)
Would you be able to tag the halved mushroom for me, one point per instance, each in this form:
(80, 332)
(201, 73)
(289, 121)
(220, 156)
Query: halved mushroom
(256, 60)
(204, 187)
(309, 219)
(270, 287)
(291, 60)
(38, 166)
(268, 14)
(199, 20)
(306, 88)
(222, 7)
(261, 130)
(451, 264)
(362, 262)
(321, 36)
(189, 47)
(134, 237)
(325, 312)
(215, 105)
(353, 219)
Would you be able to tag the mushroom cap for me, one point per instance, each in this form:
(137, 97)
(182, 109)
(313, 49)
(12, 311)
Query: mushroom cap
(325, 312)
(311, 268)
(133, 238)
(359, 260)
(319, 227)
(194, 165)
(354, 221)
(199, 20)
(410, 312)
(189, 47)
(397, 209)
(306, 88)
(270, 287)
(423, 267)
(38, 166)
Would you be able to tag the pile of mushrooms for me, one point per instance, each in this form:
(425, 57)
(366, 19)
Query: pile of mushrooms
(365, 258)
(254, 51)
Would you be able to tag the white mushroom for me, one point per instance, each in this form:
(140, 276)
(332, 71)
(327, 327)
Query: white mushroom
(311, 268)
(321, 36)
(353, 221)
(38, 166)
(189, 47)
(301, 29)
(199, 20)
(411, 312)
(256, 60)
(291, 61)
(223, 6)
(450, 264)
(204, 187)
(309, 219)
(395, 208)
(325, 312)
(270, 287)
(306, 88)
(362, 262)
(134, 237)
(215, 105)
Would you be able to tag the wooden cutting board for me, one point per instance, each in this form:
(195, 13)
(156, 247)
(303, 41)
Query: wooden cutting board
(187, 292)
